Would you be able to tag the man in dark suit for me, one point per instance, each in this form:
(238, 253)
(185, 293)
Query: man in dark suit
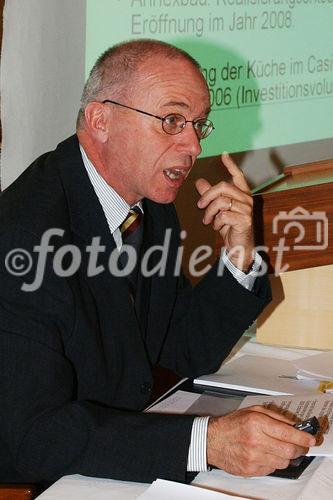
(78, 340)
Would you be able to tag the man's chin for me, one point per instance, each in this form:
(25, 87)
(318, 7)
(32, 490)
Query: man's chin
(164, 198)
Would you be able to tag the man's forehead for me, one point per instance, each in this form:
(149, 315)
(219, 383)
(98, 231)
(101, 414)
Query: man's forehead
(155, 65)
(172, 77)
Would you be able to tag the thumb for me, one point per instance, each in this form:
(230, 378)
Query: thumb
(202, 186)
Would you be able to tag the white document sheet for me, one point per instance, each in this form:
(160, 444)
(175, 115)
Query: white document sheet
(259, 374)
(167, 490)
(196, 404)
(179, 402)
(304, 407)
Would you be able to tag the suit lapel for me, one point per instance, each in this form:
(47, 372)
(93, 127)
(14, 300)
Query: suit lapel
(142, 299)
(158, 292)
(88, 221)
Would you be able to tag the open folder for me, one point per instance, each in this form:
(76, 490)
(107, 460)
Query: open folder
(317, 366)
(258, 374)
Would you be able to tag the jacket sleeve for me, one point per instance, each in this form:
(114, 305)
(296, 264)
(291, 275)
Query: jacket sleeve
(209, 318)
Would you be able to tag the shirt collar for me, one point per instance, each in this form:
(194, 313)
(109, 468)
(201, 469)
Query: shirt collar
(114, 206)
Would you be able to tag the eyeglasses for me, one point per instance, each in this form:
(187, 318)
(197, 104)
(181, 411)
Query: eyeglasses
(174, 123)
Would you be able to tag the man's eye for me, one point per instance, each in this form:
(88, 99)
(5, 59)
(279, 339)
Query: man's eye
(200, 124)
(171, 120)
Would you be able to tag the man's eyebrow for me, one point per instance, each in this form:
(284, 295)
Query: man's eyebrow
(184, 105)
(181, 104)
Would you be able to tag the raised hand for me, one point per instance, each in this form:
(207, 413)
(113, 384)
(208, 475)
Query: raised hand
(228, 208)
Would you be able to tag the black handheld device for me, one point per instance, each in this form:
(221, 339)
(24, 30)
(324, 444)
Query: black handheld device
(311, 425)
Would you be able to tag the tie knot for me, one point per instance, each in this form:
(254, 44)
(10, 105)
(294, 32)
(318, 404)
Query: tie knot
(131, 223)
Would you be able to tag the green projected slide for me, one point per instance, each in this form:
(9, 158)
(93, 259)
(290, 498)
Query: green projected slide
(268, 63)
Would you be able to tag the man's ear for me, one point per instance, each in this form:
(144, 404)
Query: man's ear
(97, 120)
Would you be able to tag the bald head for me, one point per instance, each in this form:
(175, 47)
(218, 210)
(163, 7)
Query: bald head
(115, 71)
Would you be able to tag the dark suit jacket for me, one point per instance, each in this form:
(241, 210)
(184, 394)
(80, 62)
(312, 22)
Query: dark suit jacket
(75, 362)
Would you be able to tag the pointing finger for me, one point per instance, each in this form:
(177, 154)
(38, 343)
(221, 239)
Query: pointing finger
(236, 173)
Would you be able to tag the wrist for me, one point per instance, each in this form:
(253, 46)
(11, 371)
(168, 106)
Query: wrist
(241, 259)
(211, 439)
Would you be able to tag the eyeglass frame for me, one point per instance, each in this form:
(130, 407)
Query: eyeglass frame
(163, 118)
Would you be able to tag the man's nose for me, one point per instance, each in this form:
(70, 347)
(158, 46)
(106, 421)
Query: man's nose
(188, 141)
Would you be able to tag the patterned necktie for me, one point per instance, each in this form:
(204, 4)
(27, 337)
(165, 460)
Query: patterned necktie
(131, 232)
(131, 225)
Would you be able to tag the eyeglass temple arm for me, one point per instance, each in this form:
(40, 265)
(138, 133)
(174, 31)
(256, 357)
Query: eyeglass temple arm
(133, 109)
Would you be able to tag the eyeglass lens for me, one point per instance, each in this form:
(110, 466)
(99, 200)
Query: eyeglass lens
(174, 124)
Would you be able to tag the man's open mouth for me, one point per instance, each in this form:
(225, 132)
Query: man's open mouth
(175, 173)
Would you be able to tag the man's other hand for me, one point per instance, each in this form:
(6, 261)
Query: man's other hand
(254, 441)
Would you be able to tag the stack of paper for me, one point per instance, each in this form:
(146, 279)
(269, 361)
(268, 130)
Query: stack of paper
(165, 490)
